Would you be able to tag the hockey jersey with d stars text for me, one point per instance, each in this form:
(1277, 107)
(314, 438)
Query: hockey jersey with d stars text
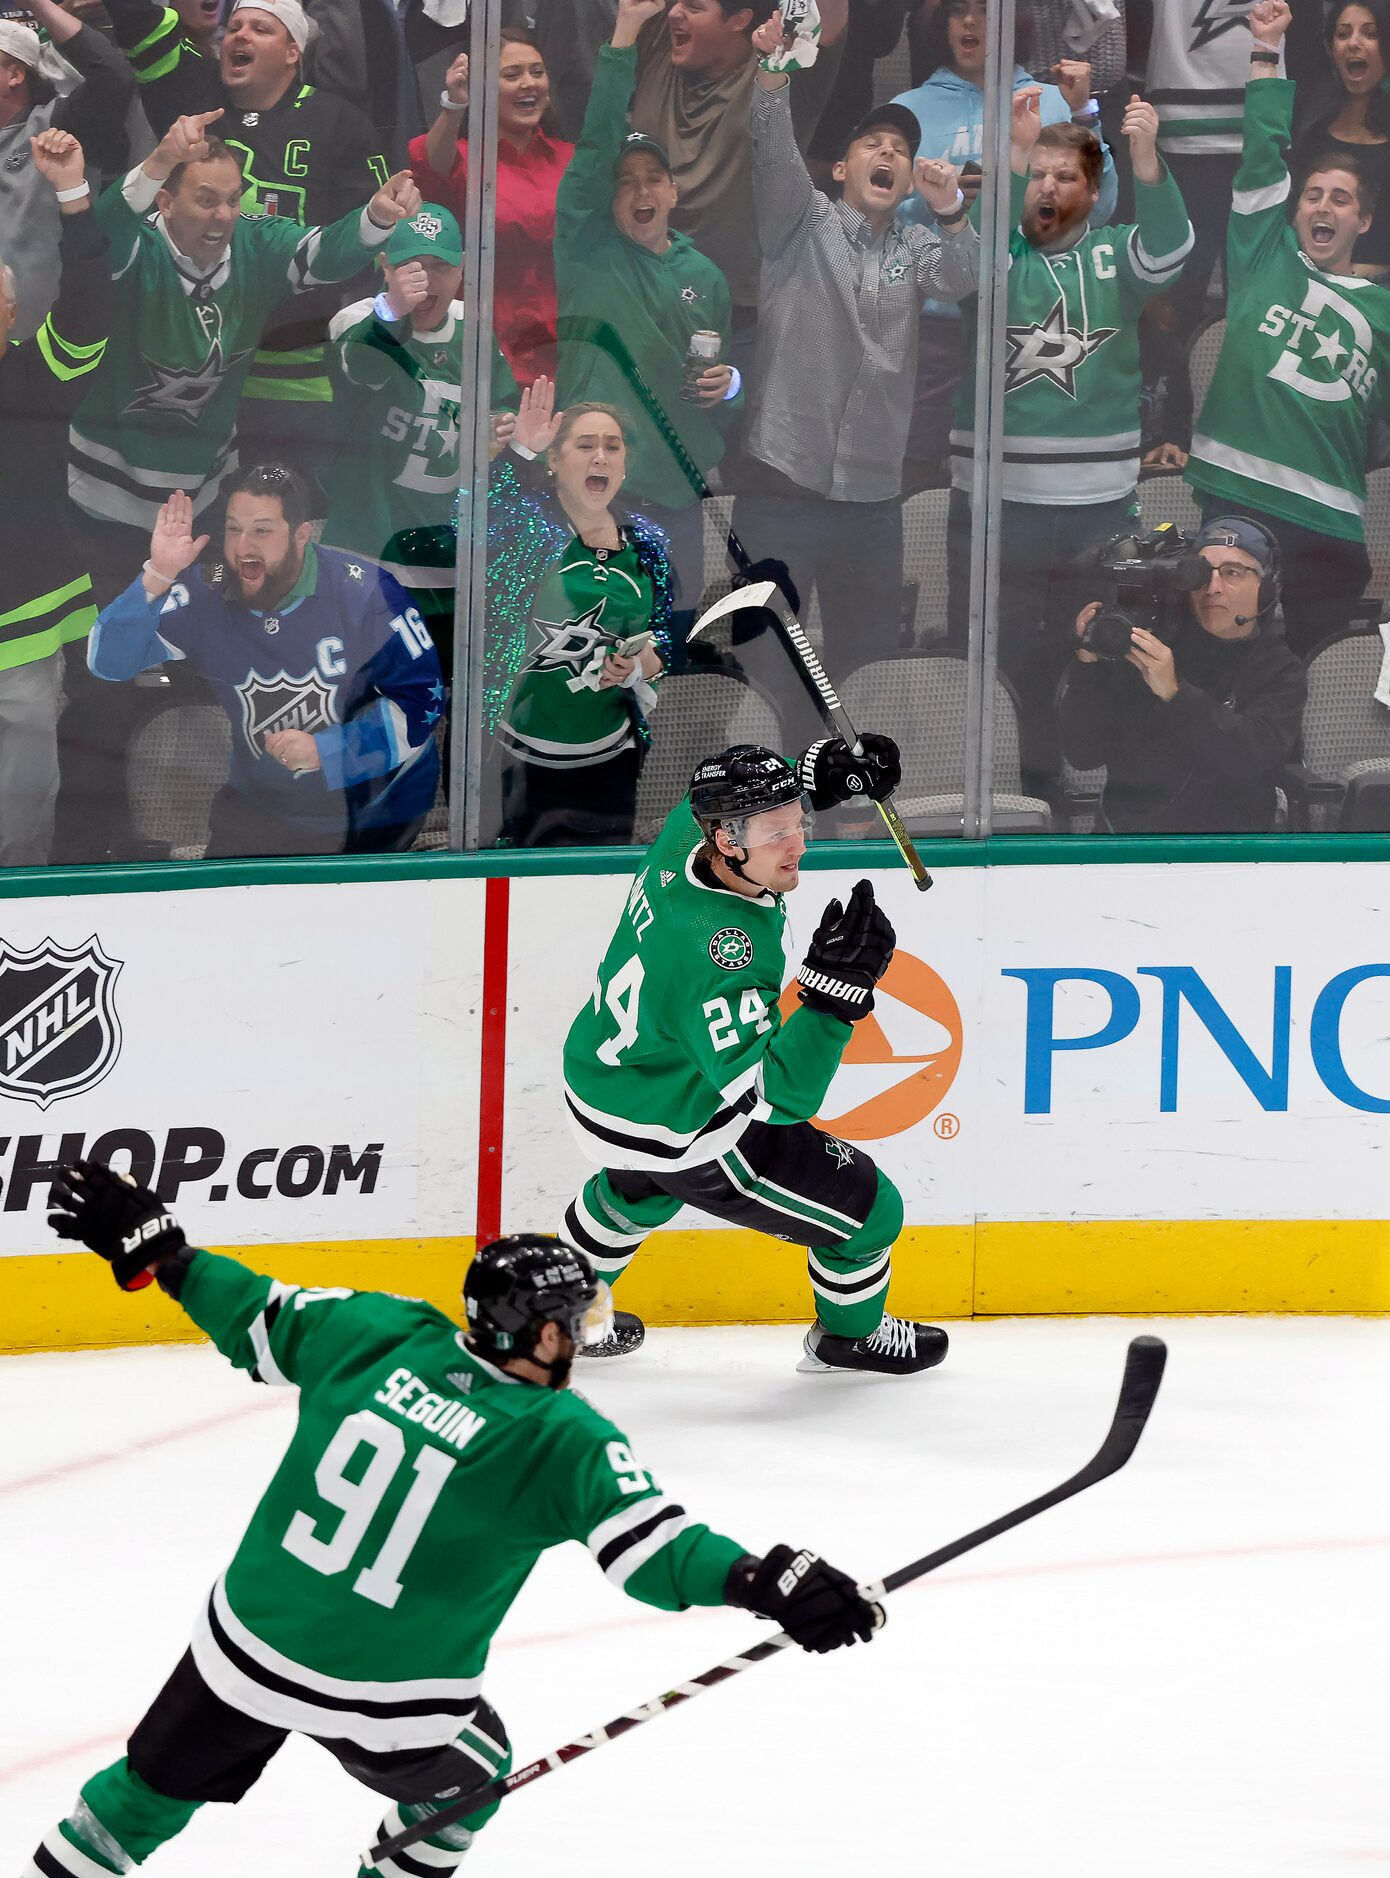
(161, 412)
(682, 1044)
(1285, 426)
(1072, 379)
(419, 1489)
(344, 656)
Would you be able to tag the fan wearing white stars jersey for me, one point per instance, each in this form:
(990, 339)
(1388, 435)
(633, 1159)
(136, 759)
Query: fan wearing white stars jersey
(1071, 395)
(1283, 432)
(326, 672)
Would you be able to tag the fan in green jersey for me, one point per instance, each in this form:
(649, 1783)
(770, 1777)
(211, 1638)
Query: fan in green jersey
(683, 1082)
(428, 1471)
(1283, 433)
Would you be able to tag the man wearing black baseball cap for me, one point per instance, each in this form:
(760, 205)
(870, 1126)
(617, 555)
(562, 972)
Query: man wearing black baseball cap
(1193, 722)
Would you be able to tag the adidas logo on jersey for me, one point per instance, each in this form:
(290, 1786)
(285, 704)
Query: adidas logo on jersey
(666, 878)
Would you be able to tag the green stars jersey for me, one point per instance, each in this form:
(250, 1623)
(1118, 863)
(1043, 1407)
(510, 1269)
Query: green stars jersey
(1199, 58)
(590, 599)
(1285, 425)
(396, 402)
(682, 1044)
(161, 412)
(1071, 365)
(419, 1489)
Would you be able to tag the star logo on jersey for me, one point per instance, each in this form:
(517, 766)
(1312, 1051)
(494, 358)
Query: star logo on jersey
(894, 271)
(1051, 350)
(841, 1150)
(354, 572)
(567, 645)
(689, 295)
(284, 702)
(1215, 17)
(59, 1033)
(179, 393)
(731, 949)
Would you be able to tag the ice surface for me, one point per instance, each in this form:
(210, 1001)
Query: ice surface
(1181, 1674)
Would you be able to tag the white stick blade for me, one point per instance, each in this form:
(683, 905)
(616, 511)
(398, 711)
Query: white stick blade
(758, 595)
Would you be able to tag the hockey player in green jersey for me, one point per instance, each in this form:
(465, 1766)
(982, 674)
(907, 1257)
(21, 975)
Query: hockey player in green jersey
(428, 1471)
(1282, 435)
(683, 1082)
(1072, 386)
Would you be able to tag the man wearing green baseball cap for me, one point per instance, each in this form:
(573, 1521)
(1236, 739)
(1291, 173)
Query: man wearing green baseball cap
(395, 364)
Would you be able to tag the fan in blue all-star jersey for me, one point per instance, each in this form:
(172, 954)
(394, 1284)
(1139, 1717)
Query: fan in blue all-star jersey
(324, 667)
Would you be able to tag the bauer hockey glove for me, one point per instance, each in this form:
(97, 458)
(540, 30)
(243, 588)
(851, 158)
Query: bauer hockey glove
(111, 1215)
(847, 956)
(818, 1607)
(831, 773)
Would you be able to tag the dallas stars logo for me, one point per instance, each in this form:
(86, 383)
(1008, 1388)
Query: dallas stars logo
(1215, 17)
(689, 295)
(567, 644)
(842, 1151)
(1051, 350)
(731, 949)
(185, 394)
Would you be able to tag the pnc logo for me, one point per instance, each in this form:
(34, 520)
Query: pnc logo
(902, 1058)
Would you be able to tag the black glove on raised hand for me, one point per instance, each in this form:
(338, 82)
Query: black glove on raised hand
(121, 1222)
(831, 773)
(818, 1607)
(758, 571)
(847, 956)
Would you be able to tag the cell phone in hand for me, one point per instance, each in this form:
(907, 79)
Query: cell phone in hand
(634, 644)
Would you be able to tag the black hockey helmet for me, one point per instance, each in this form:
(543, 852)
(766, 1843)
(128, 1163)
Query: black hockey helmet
(744, 780)
(517, 1284)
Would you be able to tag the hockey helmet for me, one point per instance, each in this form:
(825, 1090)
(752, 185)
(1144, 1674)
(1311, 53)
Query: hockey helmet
(517, 1284)
(745, 780)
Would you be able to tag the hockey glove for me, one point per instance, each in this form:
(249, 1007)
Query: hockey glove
(818, 1607)
(847, 956)
(831, 773)
(759, 571)
(121, 1222)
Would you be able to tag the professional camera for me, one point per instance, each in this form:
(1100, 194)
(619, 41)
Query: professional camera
(1147, 575)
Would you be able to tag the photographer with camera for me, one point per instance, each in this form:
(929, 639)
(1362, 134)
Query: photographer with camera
(1179, 689)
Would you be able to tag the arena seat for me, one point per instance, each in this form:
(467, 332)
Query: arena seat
(920, 701)
(696, 715)
(176, 763)
(1346, 733)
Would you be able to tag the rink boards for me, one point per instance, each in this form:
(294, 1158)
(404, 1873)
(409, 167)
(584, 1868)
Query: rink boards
(1153, 1088)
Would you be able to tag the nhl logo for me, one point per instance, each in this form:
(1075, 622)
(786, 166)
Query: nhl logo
(59, 1033)
(284, 702)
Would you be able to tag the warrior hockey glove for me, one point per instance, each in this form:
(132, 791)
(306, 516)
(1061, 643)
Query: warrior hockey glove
(818, 1607)
(121, 1222)
(800, 25)
(847, 956)
(831, 773)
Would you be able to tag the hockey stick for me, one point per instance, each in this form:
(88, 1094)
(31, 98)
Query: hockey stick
(602, 335)
(767, 597)
(1144, 1363)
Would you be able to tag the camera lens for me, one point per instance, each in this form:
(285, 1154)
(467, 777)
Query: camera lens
(1109, 635)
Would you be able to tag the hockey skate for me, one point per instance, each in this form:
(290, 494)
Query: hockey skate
(628, 1334)
(899, 1347)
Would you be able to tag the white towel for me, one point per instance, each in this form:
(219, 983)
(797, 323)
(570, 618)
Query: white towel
(1087, 20)
(1381, 694)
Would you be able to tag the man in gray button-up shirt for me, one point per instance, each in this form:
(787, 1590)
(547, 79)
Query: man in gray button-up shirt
(842, 285)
